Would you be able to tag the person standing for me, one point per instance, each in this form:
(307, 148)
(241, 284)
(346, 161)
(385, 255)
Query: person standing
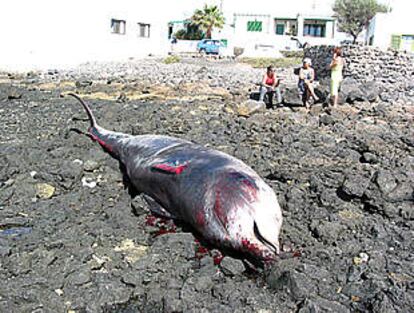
(270, 85)
(336, 66)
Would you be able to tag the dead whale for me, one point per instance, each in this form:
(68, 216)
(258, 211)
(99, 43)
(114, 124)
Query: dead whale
(219, 196)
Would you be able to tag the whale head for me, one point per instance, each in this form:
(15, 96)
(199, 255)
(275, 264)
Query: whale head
(250, 215)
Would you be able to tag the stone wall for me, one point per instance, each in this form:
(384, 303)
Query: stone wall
(392, 71)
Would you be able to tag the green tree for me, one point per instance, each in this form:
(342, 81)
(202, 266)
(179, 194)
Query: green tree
(354, 15)
(208, 18)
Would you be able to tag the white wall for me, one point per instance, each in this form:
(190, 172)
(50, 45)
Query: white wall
(46, 34)
(266, 11)
(61, 33)
(399, 21)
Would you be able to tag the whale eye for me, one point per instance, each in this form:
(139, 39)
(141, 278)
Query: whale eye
(262, 239)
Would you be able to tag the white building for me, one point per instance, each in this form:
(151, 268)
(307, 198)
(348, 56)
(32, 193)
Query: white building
(46, 34)
(264, 27)
(393, 29)
(270, 33)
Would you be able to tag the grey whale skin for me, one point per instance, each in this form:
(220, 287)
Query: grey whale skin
(219, 196)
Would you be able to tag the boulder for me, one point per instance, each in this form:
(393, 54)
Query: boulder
(250, 107)
(350, 91)
(370, 90)
(291, 96)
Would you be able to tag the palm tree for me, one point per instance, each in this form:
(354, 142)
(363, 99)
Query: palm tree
(208, 18)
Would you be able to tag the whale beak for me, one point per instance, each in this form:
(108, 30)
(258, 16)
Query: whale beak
(273, 247)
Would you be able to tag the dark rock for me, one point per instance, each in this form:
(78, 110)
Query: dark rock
(291, 96)
(327, 231)
(171, 303)
(139, 206)
(368, 157)
(385, 181)
(326, 119)
(14, 96)
(4, 251)
(350, 91)
(371, 91)
(180, 244)
(355, 185)
(204, 284)
(284, 276)
(403, 192)
(83, 83)
(253, 95)
(389, 96)
(382, 304)
(79, 277)
(249, 107)
(406, 211)
(90, 165)
(232, 267)
(317, 304)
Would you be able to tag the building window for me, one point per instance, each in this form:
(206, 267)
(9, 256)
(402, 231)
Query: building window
(314, 30)
(254, 26)
(280, 29)
(285, 26)
(143, 30)
(118, 26)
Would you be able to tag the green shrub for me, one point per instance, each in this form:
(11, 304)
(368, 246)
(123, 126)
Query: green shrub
(190, 33)
(180, 34)
(172, 59)
(293, 54)
(276, 62)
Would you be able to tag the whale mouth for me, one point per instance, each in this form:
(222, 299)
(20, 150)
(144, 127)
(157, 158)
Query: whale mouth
(263, 240)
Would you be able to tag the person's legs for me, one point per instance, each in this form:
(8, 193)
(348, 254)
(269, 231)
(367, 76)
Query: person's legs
(334, 91)
(266, 90)
(262, 91)
(312, 91)
(278, 95)
(307, 98)
(302, 91)
(270, 97)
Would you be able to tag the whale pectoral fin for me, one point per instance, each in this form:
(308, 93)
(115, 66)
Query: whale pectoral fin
(168, 168)
(156, 208)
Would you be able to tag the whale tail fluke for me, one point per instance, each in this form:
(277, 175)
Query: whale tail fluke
(108, 140)
(91, 117)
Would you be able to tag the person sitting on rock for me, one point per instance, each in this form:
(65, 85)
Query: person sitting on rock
(306, 78)
(336, 66)
(270, 85)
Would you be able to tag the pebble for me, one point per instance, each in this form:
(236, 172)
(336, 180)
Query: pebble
(90, 165)
(88, 182)
(44, 191)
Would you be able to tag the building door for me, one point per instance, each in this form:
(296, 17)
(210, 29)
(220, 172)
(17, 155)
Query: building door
(170, 30)
(395, 41)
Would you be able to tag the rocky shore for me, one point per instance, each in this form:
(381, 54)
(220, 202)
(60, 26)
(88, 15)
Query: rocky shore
(73, 240)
